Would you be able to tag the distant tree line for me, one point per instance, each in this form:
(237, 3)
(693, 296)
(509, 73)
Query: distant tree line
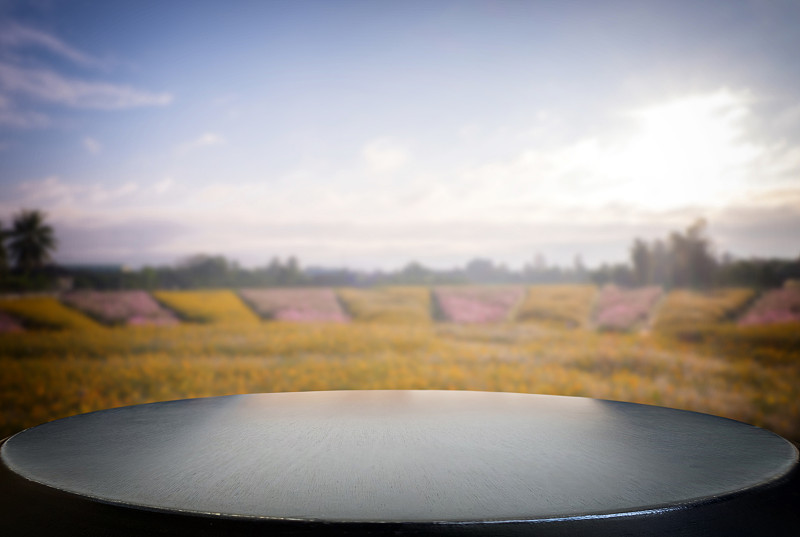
(208, 271)
(682, 259)
(197, 271)
(687, 260)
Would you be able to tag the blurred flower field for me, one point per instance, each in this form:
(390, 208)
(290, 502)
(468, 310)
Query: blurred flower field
(625, 309)
(564, 305)
(685, 309)
(219, 306)
(120, 307)
(388, 304)
(301, 305)
(8, 323)
(475, 304)
(58, 366)
(45, 312)
(776, 306)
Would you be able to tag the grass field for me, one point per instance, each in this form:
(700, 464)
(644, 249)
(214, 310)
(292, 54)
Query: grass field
(388, 304)
(213, 307)
(563, 305)
(45, 312)
(686, 309)
(748, 373)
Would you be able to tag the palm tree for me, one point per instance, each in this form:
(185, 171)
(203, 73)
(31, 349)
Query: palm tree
(31, 240)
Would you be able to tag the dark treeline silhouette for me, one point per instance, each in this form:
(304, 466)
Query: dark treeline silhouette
(687, 260)
(682, 259)
(207, 271)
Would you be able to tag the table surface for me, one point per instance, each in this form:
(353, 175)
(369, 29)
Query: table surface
(400, 456)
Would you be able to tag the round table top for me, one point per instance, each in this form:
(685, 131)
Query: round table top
(400, 456)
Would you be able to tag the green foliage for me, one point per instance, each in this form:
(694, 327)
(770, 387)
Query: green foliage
(32, 240)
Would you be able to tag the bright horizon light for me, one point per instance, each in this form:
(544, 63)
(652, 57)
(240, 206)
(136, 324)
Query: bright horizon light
(688, 151)
(372, 135)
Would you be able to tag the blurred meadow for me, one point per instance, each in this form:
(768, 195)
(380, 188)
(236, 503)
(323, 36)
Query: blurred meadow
(199, 200)
(701, 351)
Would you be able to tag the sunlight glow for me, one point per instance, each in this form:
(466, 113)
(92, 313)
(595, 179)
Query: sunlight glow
(690, 151)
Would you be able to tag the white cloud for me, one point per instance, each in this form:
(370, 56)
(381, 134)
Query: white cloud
(20, 77)
(92, 146)
(47, 85)
(128, 188)
(164, 185)
(24, 120)
(15, 35)
(69, 198)
(469, 131)
(690, 154)
(12, 117)
(208, 139)
(790, 117)
(47, 193)
(384, 156)
(694, 151)
(99, 195)
(245, 220)
(671, 163)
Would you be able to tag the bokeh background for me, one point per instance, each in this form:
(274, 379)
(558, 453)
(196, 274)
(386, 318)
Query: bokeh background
(580, 198)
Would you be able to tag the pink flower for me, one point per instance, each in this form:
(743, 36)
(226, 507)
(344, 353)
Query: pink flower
(301, 305)
(477, 304)
(120, 307)
(8, 324)
(776, 306)
(622, 309)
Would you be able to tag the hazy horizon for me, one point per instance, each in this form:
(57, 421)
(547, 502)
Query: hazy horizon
(371, 135)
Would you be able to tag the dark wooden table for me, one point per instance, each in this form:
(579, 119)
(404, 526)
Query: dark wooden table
(397, 463)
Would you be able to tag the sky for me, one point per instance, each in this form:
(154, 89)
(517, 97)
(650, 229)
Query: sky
(370, 134)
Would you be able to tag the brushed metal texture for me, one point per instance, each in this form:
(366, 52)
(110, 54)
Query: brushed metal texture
(401, 456)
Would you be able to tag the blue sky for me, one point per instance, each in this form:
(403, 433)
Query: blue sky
(371, 134)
